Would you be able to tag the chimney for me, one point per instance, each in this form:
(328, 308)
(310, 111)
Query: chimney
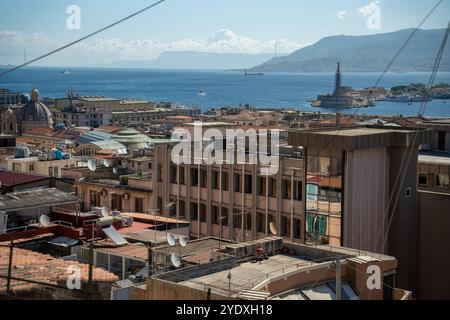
(338, 119)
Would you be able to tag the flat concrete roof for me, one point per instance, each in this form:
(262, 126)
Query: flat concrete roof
(432, 159)
(247, 275)
(358, 137)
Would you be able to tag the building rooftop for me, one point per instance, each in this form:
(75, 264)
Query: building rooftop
(45, 269)
(434, 159)
(357, 137)
(34, 199)
(11, 178)
(247, 275)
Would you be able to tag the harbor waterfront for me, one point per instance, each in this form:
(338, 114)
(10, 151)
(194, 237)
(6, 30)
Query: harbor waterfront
(223, 88)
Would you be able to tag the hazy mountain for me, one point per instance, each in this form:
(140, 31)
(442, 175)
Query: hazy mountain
(365, 53)
(196, 60)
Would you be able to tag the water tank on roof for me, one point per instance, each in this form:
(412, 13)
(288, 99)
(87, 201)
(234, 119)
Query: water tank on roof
(60, 126)
(22, 153)
(58, 154)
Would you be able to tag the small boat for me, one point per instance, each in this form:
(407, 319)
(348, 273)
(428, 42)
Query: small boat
(66, 72)
(202, 93)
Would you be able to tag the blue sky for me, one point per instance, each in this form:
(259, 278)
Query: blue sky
(245, 26)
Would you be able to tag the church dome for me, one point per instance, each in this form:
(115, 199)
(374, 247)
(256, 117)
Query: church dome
(36, 111)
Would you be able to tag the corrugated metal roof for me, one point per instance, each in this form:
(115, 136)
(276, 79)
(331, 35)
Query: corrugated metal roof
(35, 198)
(92, 136)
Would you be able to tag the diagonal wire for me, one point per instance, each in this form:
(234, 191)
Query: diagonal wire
(81, 39)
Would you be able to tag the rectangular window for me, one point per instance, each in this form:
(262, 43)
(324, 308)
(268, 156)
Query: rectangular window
(182, 209)
(262, 187)
(194, 211)
(159, 204)
(224, 216)
(237, 220)
(173, 174)
(159, 173)
(139, 205)
(215, 180)
(17, 167)
(261, 222)
(215, 215)
(194, 177)
(248, 184)
(203, 178)
(423, 179)
(225, 181)
(442, 180)
(202, 213)
(182, 176)
(248, 221)
(50, 171)
(298, 190)
(237, 182)
(272, 187)
(286, 189)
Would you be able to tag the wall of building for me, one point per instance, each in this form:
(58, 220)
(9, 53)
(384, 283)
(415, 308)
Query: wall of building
(365, 198)
(434, 247)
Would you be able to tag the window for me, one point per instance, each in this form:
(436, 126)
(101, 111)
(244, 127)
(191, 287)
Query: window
(203, 178)
(194, 211)
(182, 176)
(262, 188)
(285, 226)
(224, 216)
(215, 215)
(272, 187)
(298, 190)
(237, 183)
(237, 220)
(159, 173)
(442, 180)
(260, 222)
(50, 171)
(423, 179)
(94, 199)
(159, 204)
(248, 184)
(286, 189)
(182, 209)
(225, 181)
(297, 229)
(202, 213)
(194, 177)
(139, 205)
(173, 174)
(31, 168)
(215, 180)
(248, 221)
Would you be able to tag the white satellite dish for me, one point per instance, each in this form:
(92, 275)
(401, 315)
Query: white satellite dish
(171, 239)
(184, 241)
(44, 220)
(176, 260)
(106, 163)
(116, 171)
(273, 228)
(105, 212)
(92, 165)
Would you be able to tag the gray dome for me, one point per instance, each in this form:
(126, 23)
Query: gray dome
(35, 110)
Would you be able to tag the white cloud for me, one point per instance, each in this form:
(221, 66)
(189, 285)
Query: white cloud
(369, 8)
(108, 50)
(341, 14)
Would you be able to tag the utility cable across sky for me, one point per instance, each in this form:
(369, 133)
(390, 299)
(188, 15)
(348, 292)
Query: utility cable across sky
(82, 39)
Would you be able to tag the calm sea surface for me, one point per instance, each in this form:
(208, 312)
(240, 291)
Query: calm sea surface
(223, 88)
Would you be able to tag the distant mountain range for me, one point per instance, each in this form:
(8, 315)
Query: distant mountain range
(370, 53)
(195, 60)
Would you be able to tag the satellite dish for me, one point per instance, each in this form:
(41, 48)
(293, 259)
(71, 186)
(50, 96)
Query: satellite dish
(106, 163)
(171, 239)
(273, 228)
(105, 212)
(176, 260)
(184, 241)
(92, 165)
(116, 171)
(44, 220)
